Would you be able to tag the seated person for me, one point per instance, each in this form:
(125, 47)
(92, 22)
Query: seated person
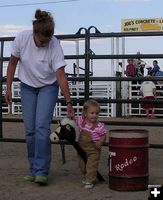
(156, 69)
(140, 65)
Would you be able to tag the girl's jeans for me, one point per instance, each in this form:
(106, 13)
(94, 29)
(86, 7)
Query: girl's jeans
(38, 107)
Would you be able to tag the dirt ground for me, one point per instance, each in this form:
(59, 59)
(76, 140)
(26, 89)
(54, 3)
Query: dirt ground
(65, 179)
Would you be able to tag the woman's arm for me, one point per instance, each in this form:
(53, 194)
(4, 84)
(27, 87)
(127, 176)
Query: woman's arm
(10, 75)
(63, 83)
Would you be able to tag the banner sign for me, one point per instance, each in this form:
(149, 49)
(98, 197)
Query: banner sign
(142, 25)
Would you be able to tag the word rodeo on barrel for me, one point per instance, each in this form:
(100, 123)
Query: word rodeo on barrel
(121, 166)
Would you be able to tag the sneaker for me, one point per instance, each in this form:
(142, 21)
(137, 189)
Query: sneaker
(29, 178)
(41, 180)
(84, 181)
(88, 185)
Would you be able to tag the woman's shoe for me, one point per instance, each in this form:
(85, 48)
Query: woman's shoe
(41, 180)
(29, 178)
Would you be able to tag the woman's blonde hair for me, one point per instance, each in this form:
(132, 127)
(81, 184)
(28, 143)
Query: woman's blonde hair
(44, 24)
(88, 104)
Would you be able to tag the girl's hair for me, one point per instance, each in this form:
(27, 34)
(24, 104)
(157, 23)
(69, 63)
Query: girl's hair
(88, 104)
(43, 24)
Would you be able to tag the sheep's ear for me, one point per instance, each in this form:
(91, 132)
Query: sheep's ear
(58, 130)
(68, 127)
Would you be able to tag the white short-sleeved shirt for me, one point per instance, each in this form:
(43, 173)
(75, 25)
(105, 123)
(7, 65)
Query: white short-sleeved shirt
(37, 65)
(147, 88)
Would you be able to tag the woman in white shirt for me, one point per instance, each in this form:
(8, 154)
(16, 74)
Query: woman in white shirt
(41, 72)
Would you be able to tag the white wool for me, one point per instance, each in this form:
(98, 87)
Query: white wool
(54, 137)
(71, 122)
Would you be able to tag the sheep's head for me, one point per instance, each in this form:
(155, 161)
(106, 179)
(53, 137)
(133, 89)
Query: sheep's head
(65, 131)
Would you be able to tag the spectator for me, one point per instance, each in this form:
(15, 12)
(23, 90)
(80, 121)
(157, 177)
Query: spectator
(140, 65)
(130, 68)
(148, 92)
(156, 68)
(149, 70)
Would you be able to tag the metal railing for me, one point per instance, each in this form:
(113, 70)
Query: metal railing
(87, 36)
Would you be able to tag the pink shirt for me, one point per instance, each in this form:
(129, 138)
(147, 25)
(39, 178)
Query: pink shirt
(96, 133)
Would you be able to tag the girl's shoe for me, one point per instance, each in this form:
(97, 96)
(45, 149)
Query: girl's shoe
(84, 181)
(88, 185)
(41, 180)
(29, 178)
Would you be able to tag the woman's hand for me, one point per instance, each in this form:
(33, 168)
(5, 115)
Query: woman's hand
(10, 75)
(8, 97)
(70, 111)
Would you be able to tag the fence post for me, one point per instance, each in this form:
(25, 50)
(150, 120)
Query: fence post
(1, 77)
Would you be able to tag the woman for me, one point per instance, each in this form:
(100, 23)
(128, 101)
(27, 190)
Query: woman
(41, 72)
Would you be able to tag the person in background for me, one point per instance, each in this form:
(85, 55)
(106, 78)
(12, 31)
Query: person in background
(141, 68)
(155, 69)
(148, 92)
(91, 138)
(149, 70)
(140, 65)
(41, 73)
(130, 68)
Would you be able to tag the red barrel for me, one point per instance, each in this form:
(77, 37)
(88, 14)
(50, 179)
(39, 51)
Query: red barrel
(128, 159)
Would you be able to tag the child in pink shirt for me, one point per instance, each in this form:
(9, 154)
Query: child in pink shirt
(91, 138)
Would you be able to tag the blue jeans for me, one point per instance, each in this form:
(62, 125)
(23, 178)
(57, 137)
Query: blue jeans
(38, 107)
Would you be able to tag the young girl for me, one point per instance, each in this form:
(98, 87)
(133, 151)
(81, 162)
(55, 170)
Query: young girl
(92, 136)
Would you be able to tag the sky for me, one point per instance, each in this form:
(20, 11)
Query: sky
(106, 15)
(70, 15)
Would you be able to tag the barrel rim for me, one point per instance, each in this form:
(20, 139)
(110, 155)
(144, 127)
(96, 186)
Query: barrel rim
(128, 133)
(130, 130)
